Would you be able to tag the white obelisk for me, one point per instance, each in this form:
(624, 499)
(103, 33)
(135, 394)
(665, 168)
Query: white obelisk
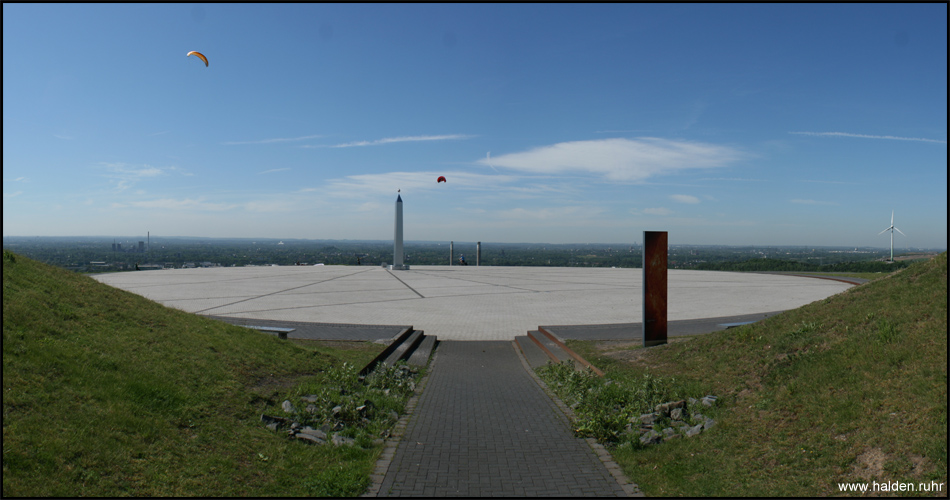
(397, 238)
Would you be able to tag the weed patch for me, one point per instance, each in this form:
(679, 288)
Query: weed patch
(604, 407)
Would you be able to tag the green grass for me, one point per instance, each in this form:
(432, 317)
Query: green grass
(867, 276)
(852, 388)
(106, 393)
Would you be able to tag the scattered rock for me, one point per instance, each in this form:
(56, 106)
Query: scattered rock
(348, 414)
(678, 412)
(649, 418)
(694, 430)
(339, 440)
(309, 438)
(275, 421)
(651, 437)
(314, 432)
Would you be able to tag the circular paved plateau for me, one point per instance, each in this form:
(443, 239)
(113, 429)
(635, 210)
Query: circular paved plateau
(464, 302)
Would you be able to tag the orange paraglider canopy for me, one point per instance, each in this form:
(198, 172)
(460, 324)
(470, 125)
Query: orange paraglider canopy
(440, 179)
(200, 56)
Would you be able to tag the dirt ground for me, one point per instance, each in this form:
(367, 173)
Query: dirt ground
(627, 350)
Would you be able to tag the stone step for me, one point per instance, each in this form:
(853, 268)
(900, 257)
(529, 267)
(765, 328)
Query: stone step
(550, 348)
(404, 348)
(531, 351)
(420, 355)
(397, 343)
(579, 362)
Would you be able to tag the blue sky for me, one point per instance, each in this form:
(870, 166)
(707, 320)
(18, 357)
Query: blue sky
(801, 124)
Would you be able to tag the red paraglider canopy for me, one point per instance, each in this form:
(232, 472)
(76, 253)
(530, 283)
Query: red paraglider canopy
(440, 179)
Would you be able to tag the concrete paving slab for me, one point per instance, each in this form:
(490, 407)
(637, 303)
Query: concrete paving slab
(484, 427)
(464, 302)
(634, 331)
(326, 331)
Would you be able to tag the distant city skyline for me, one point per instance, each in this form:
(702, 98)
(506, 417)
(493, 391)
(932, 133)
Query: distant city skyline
(724, 124)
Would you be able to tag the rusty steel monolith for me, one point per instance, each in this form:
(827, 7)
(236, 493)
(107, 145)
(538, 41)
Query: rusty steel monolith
(654, 287)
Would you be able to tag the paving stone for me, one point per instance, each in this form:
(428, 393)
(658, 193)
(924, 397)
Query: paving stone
(363, 303)
(483, 427)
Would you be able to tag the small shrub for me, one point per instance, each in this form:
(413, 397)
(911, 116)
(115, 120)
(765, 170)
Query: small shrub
(886, 332)
(603, 407)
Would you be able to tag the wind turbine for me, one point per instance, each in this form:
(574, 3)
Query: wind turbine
(891, 229)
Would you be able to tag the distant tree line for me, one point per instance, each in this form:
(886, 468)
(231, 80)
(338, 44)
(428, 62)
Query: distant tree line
(794, 266)
(96, 254)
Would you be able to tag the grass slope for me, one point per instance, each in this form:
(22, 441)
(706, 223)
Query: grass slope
(106, 393)
(852, 388)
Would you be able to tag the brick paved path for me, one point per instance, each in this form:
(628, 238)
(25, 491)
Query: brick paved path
(483, 427)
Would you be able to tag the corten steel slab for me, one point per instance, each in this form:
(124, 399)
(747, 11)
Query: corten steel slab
(463, 302)
(654, 287)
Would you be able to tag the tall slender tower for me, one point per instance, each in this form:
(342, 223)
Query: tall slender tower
(397, 238)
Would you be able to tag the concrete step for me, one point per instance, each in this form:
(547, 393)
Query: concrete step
(397, 343)
(532, 352)
(405, 347)
(551, 348)
(540, 347)
(579, 362)
(420, 355)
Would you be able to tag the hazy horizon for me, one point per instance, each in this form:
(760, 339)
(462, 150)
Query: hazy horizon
(158, 239)
(724, 124)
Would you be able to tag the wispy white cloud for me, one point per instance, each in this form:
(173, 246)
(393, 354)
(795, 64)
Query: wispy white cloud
(13, 194)
(865, 136)
(18, 179)
(684, 198)
(270, 206)
(830, 182)
(641, 130)
(551, 213)
(812, 202)
(370, 206)
(273, 170)
(391, 140)
(657, 211)
(176, 204)
(618, 159)
(272, 141)
(372, 185)
(734, 179)
(125, 176)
